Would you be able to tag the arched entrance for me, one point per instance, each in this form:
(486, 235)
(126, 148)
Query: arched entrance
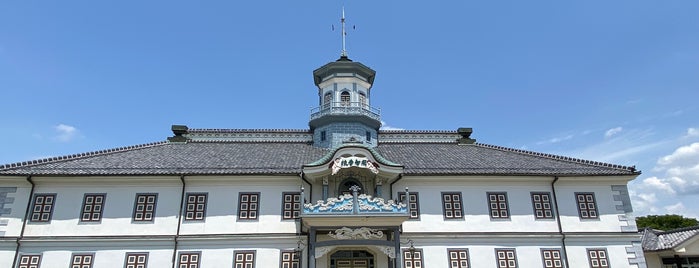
(346, 185)
(352, 259)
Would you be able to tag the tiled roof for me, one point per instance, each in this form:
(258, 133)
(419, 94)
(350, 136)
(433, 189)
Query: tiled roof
(654, 240)
(225, 157)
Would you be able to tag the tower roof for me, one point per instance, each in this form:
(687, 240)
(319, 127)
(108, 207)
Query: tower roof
(343, 65)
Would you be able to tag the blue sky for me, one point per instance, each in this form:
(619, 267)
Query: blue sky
(612, 81)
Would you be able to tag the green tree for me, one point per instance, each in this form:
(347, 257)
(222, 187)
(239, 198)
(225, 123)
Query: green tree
(665, 222)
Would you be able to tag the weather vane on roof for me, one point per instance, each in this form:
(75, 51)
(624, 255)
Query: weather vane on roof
(343, 33)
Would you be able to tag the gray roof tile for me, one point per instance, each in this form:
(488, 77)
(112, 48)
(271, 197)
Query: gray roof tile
(164, 158)
(654, 240)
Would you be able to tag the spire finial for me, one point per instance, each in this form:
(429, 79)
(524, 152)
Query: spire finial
(344, 33)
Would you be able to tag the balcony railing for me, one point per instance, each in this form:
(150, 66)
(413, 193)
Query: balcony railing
(346, 108)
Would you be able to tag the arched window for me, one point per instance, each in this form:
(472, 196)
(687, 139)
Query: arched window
(346, 184)
(362, 99)
(327, 99)
(345, 98)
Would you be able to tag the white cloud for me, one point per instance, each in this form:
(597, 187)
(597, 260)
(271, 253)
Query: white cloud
(681, 171)
(613, 131)
(677, 208)
(65, 133)
(692, 132)
(385, 126)
(683, 156)
(655, 183)
(556, 139)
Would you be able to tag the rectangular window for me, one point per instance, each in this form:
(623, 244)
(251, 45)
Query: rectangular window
(196, 207)
(248, 206)
(244, 259)
(506, 258)
(42, 209)
(290, 259)
(291, 205)
(82, 260)
(541, 202)
(587, 207)
(188, 260)
(29, 261)
(598, 258)
(93, 205)
(458, 258)
(322, 135)
(136, 260)
(144, 207)
(414, 204)
(498, 205)
(551, 258)
(452, 206)
(412, 260)
(368, 136)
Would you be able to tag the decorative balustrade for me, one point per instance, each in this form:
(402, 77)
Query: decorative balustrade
(346, 108)
(355, 204)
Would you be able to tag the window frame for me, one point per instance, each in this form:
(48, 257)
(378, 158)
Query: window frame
(452, 203)
(552, 258)
(345, 98)
(295, 258)
(136, 255)
(248, 210)
(587, 203)
(401, 196)
(507, 259)
(29, 264)
(92, 209)
(82, 261)
(144, 211)
(295, 213)
(245, 261)
(543, 204)
(196, 203)
(498, 203)
(459, 260)
(596, 251)
(42, 210)
(410, 258)
(189, 262)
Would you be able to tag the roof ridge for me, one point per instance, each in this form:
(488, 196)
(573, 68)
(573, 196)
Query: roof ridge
(248, 141)
(396, 131)
(559, 157)
(79, 155)
(239, 130)
(683, 229)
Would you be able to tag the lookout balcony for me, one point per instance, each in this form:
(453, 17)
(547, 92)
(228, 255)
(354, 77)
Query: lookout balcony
(346, 108)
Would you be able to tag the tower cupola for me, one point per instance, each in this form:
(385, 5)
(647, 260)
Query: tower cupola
(344, 113)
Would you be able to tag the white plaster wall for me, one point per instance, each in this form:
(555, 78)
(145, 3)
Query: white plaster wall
(608, 220)
(653, 260)
(18, 209)
(7, 253)
(616, 254)
(117, 214)
(222, 207)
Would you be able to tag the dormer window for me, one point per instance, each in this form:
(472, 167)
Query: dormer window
(345, 98)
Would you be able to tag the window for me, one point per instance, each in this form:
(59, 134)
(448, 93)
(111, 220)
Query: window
(507, 258)
(368, 136)
(498, 206)
(93, 205)
(82, 261)
(451, 204)
(586, 205)
(542, 205)
(248, 205)
(188, 260)
(244, 259)
(551, 258)
(414, 204)
(291, 205)
(322, 136)
(144, 207)
(598, 258)
(327, 99)
(136, 260)
(458, 258)
(43, 207)
(290, 259)
(196, 207)
(29, 261)
(362, 99)
(345, 98)
(412, 260)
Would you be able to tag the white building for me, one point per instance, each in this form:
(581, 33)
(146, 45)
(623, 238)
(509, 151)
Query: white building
(328, 196)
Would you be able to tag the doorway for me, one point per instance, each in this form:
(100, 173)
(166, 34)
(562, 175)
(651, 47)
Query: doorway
(352, 259)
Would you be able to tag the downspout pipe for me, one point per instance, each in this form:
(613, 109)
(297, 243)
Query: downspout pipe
(390, 186)
(558, 221)
(310, 186)
(179, 223)
(24, 221)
